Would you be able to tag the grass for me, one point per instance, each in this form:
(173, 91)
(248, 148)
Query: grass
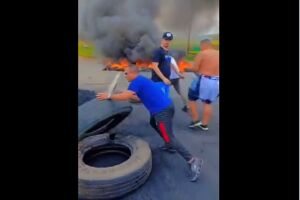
(86, 49)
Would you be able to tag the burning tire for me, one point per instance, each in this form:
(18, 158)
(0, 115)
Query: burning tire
(113, 181)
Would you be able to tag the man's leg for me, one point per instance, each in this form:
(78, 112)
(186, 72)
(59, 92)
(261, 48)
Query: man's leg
(193, 96)
(176, 85)
(193, 110)
(164, 120)
(194, 114)
(154, 125)
(209, 92)
(183, 99)
(207, 113)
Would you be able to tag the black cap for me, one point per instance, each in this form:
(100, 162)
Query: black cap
(167, 36)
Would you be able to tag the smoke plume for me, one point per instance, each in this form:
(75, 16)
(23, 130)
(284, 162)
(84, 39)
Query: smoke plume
(198, 16)
(129, 28)
(121, 28)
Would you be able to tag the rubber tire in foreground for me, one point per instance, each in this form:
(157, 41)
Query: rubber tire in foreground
(118, 180)
(85, 96)
(97, 117)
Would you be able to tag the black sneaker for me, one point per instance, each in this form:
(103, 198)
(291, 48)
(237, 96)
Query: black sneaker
(185, 109)
(168, 149)
(195, 124)
(203, 127)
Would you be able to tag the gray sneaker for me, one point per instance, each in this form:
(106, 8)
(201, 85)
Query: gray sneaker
(196, 166)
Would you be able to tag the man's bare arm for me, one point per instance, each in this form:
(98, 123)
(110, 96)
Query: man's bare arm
(197, 63)
(123, 96)
(135, 98)
(155, 68)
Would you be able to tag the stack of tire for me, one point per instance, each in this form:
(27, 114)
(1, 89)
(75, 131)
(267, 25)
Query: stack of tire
(95, 121)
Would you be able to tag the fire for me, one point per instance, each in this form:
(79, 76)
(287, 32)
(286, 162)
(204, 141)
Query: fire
(122, 63)
(119, 65)
(183, 65)
(143, 64)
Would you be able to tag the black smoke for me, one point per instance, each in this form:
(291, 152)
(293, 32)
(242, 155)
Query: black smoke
(126, 28)
(121, 28)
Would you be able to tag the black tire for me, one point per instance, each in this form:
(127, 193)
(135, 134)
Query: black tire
(85, 95)
(135, 101)
(97, 117)
(118, 180)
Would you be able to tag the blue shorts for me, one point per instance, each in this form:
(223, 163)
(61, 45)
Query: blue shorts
(205, 88)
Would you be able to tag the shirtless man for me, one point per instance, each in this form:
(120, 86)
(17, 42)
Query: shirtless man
(206, 85)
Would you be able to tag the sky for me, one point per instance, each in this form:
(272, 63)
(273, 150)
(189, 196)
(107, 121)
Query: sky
(173, 16)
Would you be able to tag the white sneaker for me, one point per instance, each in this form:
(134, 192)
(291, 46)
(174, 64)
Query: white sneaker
(195, 124)
(204, 128)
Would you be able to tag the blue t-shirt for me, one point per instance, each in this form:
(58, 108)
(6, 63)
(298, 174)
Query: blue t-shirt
(160, 56)
(151, 94)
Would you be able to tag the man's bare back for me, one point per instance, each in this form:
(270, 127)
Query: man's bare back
(207, 62)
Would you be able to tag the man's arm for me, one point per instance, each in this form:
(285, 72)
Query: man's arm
(197, 63)
(155, 68)
(135, 98)
(175, 67)
(123, 96)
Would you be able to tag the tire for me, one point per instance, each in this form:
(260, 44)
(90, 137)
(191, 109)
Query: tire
(85, 95)
(97, 117)
(135, 101)
(118, 180)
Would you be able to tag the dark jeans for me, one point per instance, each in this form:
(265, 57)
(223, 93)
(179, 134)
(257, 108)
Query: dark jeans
(162, 123)
(176, 85)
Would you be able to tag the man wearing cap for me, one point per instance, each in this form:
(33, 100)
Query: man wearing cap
(160, 64)
(206, 85)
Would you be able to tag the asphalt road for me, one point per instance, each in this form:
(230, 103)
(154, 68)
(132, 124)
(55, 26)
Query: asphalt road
(169, 176)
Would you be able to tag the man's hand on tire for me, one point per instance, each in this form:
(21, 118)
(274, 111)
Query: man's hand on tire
(102, 96)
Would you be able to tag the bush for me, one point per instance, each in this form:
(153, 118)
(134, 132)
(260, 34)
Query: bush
(86, 49)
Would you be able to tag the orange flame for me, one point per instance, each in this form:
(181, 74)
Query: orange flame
(143, 64)
(121, 64)
(183, 65)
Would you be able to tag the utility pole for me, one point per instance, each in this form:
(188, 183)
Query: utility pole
(189, 38)
(189, 27)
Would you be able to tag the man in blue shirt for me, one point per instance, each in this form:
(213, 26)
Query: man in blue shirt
(161, 111)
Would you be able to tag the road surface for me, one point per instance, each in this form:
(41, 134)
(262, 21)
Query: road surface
(169, 176)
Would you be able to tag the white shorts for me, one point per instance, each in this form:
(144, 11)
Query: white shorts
(205, 88)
